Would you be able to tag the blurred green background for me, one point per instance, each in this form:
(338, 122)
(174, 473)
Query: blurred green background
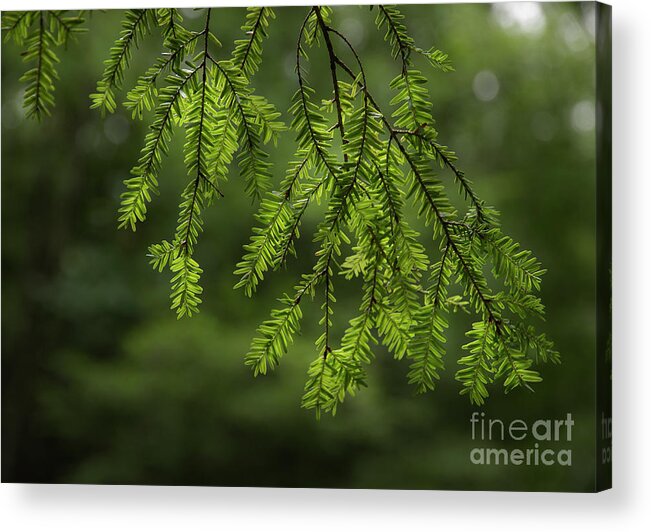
(100, 382)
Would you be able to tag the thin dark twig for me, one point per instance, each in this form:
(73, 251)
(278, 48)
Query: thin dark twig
(204, 67)
(333, 72)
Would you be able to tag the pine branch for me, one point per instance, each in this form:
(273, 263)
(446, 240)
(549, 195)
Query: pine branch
(479, 363)
(332, 60)
(426, 348)
(315, 130)
(68, 26)
(16, 25)
(144, 182)
(143, 95)
(254, 116)
(275, 218)
(136, 24)
(248, 52)
(276, 334)
(362, 162)
(437, 203)
(185, 285)
(37, 31)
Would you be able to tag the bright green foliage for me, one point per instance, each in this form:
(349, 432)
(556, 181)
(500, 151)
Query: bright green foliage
(426, 347)
(479, 364)
(355, 351)
(383, 162)
(276, 333)
(222, 117)
(185, 284)
(412, 98)
(256, 125)
(527, 338)
(248, 52)
(136, 24)
(275, 217)
(519, 268)
(143, 96)
(390, 19)
(365, 164)
(170, 20)
(16, 25)
(40, 32)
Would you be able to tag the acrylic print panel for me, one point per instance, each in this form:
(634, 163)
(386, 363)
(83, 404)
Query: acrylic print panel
(411, 202)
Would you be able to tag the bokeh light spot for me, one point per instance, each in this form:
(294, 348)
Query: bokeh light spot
(289, 65)
(354, 30)
(589, 18)
(486, 86)
(522, 17)
(583, 116)
(191, 12)
(116, 129)
(572, 33)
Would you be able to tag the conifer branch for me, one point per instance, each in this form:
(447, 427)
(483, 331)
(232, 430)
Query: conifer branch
(427, 194)
(40, 49)
(382, 161)
(16, 25)
(144, 181)
(136, 24)
(40, 32)
(248, 52)
(332, 60)
(185, 285)
(202, 114)
(142, 95)
(303, 99)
